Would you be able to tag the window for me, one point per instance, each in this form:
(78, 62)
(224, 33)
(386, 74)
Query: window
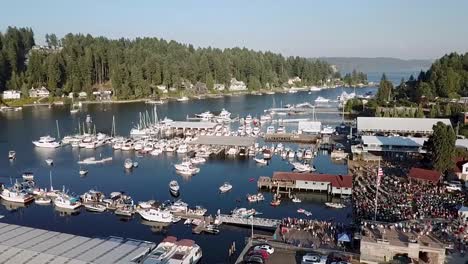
(322, 183)
(305, 182)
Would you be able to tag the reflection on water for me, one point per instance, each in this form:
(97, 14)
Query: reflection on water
(156, 227)
(67, 212)
(12, 206)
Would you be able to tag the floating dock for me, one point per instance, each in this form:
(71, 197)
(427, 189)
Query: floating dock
(19, 244)
(289, 137)
(257, 222)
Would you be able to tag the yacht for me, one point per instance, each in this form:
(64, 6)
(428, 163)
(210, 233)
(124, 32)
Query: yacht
(226, 187)
(156, 215)
(224, 116)
(321, 100)
(16, 194)
(182, 149)
(261, 161)
(174, 187)
(66, 202)
(46, 142)
(128, 164)
(186, 167)
(11, 155)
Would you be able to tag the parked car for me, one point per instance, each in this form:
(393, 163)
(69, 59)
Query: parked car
(261, 253)
(265, 247)
(313, 258)
(255, 259)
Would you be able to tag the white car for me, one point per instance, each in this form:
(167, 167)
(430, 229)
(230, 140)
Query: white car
(269, 249)
(313, 258)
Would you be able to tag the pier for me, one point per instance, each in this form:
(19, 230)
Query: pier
(289, 137)
(257, 222)
(19, 244)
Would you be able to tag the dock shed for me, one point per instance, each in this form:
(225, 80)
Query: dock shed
(393, 125)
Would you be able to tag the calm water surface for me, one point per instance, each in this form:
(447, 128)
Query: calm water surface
(150, 180)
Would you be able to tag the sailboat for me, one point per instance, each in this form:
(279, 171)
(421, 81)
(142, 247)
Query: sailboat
(74, 109)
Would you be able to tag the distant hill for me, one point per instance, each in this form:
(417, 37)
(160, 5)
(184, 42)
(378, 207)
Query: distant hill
(380, 64)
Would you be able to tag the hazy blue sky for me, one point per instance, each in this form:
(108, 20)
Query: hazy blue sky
(367, 28)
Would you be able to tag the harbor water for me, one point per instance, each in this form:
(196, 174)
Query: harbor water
(150, 180)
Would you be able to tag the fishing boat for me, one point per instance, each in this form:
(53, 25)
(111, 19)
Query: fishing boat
(11, 155)
(261, 161)
(156, 215)
(46, 142)
(174, 188)
(95, 207)
(28, 176)
(335, 205)
(128, 164)
(42, 200)
(66, 202)
(15, 194)
(49, 161)
(226, 187)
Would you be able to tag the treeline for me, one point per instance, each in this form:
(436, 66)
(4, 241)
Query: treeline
(355, 78)
(134, 68)
(447, 77)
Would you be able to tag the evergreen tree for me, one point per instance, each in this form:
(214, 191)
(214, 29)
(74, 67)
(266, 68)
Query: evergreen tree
(442, 146)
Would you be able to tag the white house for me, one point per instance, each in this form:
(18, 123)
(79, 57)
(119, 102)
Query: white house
(219, 87)
(237, 85)
(294, 80)
(11, 94)
(461, 169)
(39, 92)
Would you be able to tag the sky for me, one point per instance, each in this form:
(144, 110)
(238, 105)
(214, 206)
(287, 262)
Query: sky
(407, 29)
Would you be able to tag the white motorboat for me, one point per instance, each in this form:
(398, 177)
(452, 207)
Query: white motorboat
(296, 200)
(301, 167)
(128, 164)
(11, 155)
(49, 161)
(327, 130)
(226, 187)
(83, 172)
(182, 149)
(261, 161)
(42, 200)
(66, 202)
(183, 99)
(197, 160)
(321, 100)
(46, 142)
(270, 130)
(28, 176)
(174, 187)
(186, 167)
(335, 205)
(156, 215)
(95, 207)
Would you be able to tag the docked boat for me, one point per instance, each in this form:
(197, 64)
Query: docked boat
(270, 130)
(197, 160)
(261, 161)
(321, 100)
(174, 188)
(226, 187)
(335, 205)
(46, 142)
(42, 200)
(255, 197)
(95, 207)
(16, 194)
(67, 202)
(11, 155)
(28, 176)
(243, 212)
(296, 200)
(156, 215)
(128, 164)
(49, 161)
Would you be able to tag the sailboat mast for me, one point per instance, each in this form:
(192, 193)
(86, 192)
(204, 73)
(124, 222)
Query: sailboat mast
(58, 131)
(50, 179)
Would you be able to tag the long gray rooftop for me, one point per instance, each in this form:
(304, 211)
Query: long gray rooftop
(234, 141)
(398, 125)
(19, 244)
(193, 125)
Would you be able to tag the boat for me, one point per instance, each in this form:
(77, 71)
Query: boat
(335, 205)
(46, 142)
(321, 100)
(226, 187)
(186, 168)
(170, 250)
(197, 160)
(183, 99)
(299, 167)
(315, 89)
(49, 161)
(255, 197)
(83, 172)
(156, 215)
(296, 200)
(327, 130)
(28, 176)
(243, 212)
(128, 164)
(300, 210)
(270, 130)
(66, 202)
(174, 188)
(95, 207)
(182, 149)
(11, 155)
(16, 194)
(42, 200)
(211, 229)
(261, 161)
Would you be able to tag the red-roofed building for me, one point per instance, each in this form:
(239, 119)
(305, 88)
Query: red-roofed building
(424, 175)
(333, 184)
(461, 169)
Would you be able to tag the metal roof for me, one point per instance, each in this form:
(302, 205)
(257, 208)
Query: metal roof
(234, 141)
(193, 125)
(393, 141)
(19, 244)
(461, 143)
(398, 125)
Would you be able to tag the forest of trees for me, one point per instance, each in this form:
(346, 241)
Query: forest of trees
(354, 78)
(447, 77)
(133, 68)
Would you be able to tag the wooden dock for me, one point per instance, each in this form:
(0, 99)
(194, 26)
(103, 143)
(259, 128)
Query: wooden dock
(257, 222)
(289, 137)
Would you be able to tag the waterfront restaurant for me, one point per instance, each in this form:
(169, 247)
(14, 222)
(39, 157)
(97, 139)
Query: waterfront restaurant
(293, 181)
(394, 125)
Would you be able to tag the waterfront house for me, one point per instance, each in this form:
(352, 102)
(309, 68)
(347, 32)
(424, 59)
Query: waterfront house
(237, 85)
(39, 92)
(11, 95)
(424, 175)
(292, 81)
(293, 181)
(103, 95)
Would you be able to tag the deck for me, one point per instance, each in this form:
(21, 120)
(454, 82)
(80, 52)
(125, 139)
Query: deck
(19, 244)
